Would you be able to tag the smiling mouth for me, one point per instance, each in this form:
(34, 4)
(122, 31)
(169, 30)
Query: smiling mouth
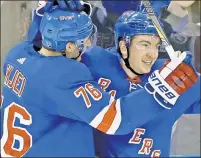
(147, 62)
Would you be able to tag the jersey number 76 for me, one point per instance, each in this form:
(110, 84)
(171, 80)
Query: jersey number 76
(93, 92)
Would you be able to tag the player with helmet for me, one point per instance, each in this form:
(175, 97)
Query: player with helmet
(49, 99)
(72, 36)
(34, 34)
(128, 26)
(132, 66)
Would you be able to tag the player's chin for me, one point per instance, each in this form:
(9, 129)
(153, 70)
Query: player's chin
(146, 69)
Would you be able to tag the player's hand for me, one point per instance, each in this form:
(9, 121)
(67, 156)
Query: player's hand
(173, 79)
(79, 5)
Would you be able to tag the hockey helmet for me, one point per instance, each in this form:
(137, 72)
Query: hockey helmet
(58, 27)
(132, 23)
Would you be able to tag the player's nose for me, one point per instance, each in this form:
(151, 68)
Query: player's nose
(152, 52)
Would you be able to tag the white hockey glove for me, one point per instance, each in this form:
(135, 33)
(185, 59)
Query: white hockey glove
(173, 79)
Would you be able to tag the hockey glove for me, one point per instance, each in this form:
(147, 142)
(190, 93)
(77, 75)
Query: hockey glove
(79, 5)
(173, 79)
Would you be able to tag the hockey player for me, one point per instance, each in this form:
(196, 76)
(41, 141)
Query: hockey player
(49, 99)
(128, 68)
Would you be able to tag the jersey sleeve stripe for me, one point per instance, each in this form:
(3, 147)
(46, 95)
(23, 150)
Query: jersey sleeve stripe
(109, 119)
(117, 120)
(97, 120)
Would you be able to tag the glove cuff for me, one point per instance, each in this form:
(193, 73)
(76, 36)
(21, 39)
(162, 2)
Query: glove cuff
(163, 88)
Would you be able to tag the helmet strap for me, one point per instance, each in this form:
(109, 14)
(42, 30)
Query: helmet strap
(80, 46)
(128, 64)
(64, 54)
(77, 56)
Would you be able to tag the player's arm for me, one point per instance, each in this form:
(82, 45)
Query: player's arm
(194, 108)
(84, 100)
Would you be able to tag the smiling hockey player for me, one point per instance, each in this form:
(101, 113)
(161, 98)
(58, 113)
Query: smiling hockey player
(126, 69)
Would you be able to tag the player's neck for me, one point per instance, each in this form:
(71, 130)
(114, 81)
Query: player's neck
(130, 74)
(47, 52)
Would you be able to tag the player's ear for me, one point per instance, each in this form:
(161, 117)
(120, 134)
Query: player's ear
(123, 49)
(70, 47)
(88, 42)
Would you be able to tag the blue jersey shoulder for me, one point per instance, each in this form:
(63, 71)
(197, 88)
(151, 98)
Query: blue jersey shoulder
(75, 72)
(16, 51)
(101, 62)
(97, 55)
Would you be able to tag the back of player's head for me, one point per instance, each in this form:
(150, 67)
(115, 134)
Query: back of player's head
(58, 27)
(132, 23)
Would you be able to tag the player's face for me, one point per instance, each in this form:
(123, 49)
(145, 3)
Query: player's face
(143, 52)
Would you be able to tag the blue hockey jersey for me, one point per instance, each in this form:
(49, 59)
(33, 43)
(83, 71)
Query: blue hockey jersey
(48, 103)
(149, 139)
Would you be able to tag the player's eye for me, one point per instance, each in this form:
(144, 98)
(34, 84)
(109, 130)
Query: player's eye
(158, 46)
(145, 45)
